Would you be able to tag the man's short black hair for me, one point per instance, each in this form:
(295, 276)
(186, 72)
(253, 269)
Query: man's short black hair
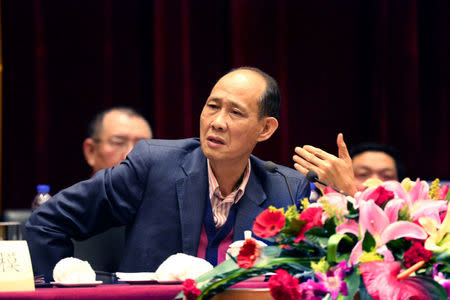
(95, 127)
(391, 151)
(269, 104)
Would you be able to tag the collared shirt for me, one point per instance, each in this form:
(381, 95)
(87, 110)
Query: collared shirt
(221, 205)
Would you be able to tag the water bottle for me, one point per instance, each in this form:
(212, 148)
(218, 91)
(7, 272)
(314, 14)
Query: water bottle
(41, 196)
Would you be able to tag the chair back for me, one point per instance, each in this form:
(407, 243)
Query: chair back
(103, 251)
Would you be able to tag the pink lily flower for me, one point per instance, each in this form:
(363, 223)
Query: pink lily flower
(419, 190)
(374, 220)
(372, 192)
(416, 199)
(420, 205)
(350, 226)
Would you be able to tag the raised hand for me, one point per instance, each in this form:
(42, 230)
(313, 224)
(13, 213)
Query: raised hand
(336, 171)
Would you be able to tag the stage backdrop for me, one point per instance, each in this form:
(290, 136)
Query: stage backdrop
(376, 70)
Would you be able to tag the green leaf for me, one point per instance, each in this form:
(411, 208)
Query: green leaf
(352, 281)
(330, 226)
(315, 236)
(445, 266)
(225, 267)
(332, 246)
(434, 289)
(293, 227)
(351, 209)
(222, 281)
(398, 247)
(448, 196)
(352, 216)
(363, 294)
(271, 251)
(403, 214)
(304, 249)
(345, 256)
(368, 242)
(318, 231)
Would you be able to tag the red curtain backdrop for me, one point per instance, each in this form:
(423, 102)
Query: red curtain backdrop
(376, 70)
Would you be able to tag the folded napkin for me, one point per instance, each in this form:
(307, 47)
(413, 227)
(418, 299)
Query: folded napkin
(139, 276)
(73, 270)
(180, 266)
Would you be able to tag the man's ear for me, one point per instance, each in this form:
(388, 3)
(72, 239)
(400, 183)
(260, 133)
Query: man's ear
(89, 149)
(270, 125)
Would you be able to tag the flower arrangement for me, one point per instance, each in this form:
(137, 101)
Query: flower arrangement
(391, 241)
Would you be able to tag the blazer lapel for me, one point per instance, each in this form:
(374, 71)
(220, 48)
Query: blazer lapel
(249, 206)
(191, 193)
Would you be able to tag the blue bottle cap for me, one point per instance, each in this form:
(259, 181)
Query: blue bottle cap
(43, 188)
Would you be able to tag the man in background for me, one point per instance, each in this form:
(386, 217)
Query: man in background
(111, 136)
(112, 133)
(371, 160)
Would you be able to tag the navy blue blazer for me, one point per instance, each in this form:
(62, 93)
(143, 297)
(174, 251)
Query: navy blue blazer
(159, 192)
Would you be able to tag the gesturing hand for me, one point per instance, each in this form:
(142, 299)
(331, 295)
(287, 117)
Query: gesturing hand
(336, 171)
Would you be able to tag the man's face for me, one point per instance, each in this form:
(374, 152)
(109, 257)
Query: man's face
(119, 135)
(230, 125)
(373, 164)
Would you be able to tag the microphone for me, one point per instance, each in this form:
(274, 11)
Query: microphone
(273, 168)
(313, 177)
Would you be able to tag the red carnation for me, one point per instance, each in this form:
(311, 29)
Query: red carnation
(190, 290)
(313, 217)
(415, 254)
(283, 286)
(248, 254)
(380, 195)
(269, 223)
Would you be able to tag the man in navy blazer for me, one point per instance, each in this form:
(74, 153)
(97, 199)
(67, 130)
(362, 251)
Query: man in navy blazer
(161, 191)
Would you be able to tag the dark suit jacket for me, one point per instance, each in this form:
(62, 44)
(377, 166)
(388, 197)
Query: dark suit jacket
(159, 192)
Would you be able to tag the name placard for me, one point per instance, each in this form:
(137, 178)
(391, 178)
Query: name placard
(16, 272)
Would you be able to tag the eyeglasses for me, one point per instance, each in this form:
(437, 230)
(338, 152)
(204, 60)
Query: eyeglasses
(118, 143)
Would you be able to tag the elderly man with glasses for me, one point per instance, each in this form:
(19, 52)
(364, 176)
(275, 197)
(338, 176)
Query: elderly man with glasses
(111, 136)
